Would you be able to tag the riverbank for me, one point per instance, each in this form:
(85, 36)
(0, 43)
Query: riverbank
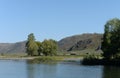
(16, 58)
(56, 58)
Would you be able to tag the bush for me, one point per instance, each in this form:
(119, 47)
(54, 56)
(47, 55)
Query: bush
(90, 60)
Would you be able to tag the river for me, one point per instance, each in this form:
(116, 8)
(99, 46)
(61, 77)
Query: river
(25, 69)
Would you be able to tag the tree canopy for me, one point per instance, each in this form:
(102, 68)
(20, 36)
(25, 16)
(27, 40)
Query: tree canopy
(111, 39)
(49, 47)
(31, 46)
(35, 48)
(40, 47)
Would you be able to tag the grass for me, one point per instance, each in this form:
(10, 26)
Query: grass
(62, 56)
(39, 58)
(52, 59)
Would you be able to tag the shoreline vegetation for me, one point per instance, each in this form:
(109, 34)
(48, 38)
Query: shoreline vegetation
(110, 46)
(42, 58)
(100, 60)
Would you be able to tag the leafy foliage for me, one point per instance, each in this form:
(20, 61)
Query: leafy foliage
(111, 39)
(49, 47)
(31, 46)
(40, 47)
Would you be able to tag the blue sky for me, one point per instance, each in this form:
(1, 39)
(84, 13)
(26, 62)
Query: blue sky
(54, 19)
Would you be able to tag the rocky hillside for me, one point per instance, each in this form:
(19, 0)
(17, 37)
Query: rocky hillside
(80, 42)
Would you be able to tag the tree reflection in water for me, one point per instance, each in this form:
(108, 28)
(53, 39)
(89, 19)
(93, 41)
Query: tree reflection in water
(36, 69)
(111, 72)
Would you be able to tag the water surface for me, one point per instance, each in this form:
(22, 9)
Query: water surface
(25, 69)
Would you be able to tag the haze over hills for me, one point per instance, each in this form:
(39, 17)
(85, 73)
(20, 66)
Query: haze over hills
(18, 47)
(72, 43)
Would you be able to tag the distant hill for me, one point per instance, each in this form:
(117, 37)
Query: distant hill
(72, 43)
(18, 47)
(80, 42)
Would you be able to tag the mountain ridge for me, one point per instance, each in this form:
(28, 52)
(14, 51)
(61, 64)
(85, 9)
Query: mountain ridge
(80, 42)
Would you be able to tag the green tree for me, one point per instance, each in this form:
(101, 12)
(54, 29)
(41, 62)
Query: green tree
(40, 48)
(49, 47)
(31, 46)
(111, 39)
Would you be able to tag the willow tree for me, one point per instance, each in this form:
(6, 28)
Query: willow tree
(111, 39)
(31, 46)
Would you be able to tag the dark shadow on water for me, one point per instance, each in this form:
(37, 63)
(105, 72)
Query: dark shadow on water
(111, 69)
(111, 72)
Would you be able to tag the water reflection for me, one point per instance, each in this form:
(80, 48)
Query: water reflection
(30, 71)
(40, 70)
(36, 69)
(111, 72)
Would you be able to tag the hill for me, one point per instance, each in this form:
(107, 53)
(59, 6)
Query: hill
(80, 42)
(18, 47)
(72, 43)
